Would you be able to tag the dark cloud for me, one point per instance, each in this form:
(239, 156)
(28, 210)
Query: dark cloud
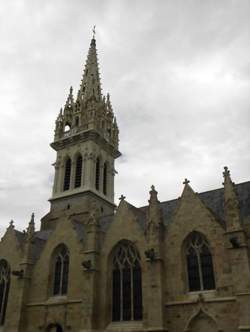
(178, 74)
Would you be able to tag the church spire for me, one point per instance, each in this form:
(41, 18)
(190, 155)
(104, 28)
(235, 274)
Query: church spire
(86, 140)
(90, 88)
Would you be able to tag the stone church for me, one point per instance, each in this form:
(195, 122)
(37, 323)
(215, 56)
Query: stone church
(170, 266)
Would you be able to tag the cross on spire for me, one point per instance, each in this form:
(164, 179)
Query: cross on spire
(186, 181)
(122, 198)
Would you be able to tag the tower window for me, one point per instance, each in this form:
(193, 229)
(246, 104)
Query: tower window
(78, 174)
(105, 174)
(67, 127)
(97, 174)
(199, 263)
(61, 270)
(67, 174)
(4, 288)
(126, 283)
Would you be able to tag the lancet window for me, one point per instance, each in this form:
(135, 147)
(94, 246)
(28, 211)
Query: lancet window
(4, 288)
(67, 174)
(61, 270)
(105, 175)
(97, 174)
(78, 173)
(199, 263)
(126, 283)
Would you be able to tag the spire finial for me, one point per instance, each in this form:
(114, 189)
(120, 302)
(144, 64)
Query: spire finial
(226, 172)
(186, 181)
(11, 225)
(94, 32)
(31, 227)
(122, 198)
(153, 195)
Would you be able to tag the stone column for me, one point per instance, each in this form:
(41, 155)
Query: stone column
(91, 270)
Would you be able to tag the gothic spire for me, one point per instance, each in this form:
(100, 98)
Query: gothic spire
(90, 87)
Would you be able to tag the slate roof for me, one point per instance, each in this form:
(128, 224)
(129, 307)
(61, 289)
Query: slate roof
(214, 200)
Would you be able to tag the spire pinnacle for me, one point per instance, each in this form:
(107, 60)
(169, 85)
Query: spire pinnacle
(91, 85)
(231, 203)
(31, 227)
(226, 174)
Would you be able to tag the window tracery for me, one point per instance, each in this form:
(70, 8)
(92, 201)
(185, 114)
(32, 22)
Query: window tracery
(61, 271)
(199, 263)
(4, 288)
(126, 283)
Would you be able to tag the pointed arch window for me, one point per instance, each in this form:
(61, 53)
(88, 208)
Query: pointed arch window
(78, 173)
(97, 174)
(105, 177)
(126, 283)
(67, 174)
(61, 270)
(4, 288)
(199, 263)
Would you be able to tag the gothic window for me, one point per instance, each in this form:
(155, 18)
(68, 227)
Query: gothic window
(97, 174)
(61, 270)
(126, 283)
(78, 173)
(67, 174)
(105, 175)
(199, 263)
(4, 288)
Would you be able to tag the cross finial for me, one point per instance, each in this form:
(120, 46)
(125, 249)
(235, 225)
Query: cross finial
(186, 181)
(94, 32)
(122, 198)
(152, 187)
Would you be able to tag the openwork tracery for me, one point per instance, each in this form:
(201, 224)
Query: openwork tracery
(199, 263)
(61, 270)
(126, 283)
(4, 288)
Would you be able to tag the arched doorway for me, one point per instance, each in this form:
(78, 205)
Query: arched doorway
(54, 328)
(202, 323)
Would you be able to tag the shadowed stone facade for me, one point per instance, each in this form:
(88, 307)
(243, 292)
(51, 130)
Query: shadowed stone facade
(180, 265)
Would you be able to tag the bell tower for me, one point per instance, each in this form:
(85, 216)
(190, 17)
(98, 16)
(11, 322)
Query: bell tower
(86, 143)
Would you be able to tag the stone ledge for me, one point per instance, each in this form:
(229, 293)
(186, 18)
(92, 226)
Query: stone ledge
(57, 300)
(209, 300)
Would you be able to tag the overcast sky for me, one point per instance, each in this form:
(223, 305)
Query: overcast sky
(179, 76)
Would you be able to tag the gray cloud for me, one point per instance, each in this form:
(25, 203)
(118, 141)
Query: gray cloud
(178, 74)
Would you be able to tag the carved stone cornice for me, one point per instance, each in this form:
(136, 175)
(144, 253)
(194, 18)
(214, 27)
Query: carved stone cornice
(83, 137)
